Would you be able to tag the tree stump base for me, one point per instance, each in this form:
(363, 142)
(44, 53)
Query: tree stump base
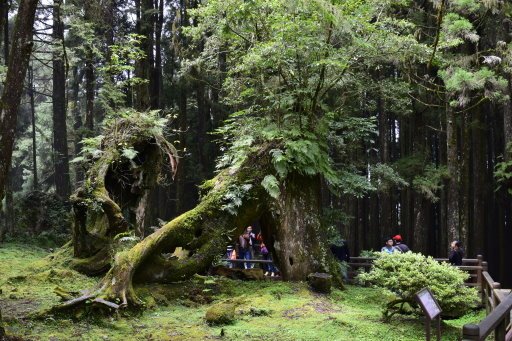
(320, 282)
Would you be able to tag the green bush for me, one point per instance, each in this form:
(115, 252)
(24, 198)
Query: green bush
(404, 274)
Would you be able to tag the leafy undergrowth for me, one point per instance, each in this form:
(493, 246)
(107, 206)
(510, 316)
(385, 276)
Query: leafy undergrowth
(264, 310)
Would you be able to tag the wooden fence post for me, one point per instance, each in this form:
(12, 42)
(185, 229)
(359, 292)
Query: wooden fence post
(470, 332)
(494, 297)
(500, 331)
(480, 276)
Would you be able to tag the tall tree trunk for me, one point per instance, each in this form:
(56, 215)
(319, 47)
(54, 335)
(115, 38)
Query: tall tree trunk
(478, 234)
(465, 183)
(4, 27)
(385, 198)
(181, 175)
(452, 189)
(157, 83)
(60, 133)
(9, 203)
(89, 77)
(89, 93)
(293, 230)
(77, 119)
(144, 99)
(11, 96)
(33, 123)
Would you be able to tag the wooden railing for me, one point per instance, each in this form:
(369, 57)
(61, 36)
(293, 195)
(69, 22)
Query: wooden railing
(498, 306)
(491, 296)
(497, 301)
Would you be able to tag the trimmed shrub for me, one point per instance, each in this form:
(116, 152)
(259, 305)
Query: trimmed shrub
(404, 274)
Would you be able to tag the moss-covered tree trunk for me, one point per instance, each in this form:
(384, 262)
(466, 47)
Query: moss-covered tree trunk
(291, 222)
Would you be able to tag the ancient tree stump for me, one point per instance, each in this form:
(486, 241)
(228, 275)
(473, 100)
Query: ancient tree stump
(320, 282)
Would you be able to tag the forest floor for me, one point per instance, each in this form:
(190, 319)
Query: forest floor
(264, 310)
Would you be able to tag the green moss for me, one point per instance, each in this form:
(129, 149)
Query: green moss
(220, 314)
(262, 310)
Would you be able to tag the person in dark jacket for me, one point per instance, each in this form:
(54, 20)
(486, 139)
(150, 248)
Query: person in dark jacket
(399, 246)
(342, 253)
(456, 253)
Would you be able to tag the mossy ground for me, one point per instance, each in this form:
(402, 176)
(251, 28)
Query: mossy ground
(264, 310)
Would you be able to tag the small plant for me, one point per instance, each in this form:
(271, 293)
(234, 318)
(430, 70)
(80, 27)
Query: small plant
(404, 274)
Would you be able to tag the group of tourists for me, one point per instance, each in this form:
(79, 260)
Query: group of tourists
(394, 244)
(251, 246)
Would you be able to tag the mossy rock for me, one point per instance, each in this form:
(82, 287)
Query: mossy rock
(320, 282)
(220, 314)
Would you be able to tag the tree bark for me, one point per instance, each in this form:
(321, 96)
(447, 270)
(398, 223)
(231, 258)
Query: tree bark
(157, 83)
(452, 188)
(60, 133)
(77, 119)
(293, 227)
(144, 98)
(33, 123)
(89, 77)
(4, 27)
(181, 175)
(11, 96)
(479, 185)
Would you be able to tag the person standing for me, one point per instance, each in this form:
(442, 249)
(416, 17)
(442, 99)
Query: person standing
(342, 253)
(246, 242)
(389, 247)
(456, 253)
(399, 246)
(231, 254)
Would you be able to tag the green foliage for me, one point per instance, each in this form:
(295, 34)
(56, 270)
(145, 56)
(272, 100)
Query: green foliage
(234, 196)
(330, 219)
(91, 149)
(404, 274)
(121, 130)
(465, 6)
(271, 185)
(503, 173)
(129, 153)
(385, 177)
(123, 57)
(431, 181)
(294, 68)
(42, 217)
(465, 82)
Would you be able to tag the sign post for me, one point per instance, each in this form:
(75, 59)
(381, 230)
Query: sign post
(431, 309)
